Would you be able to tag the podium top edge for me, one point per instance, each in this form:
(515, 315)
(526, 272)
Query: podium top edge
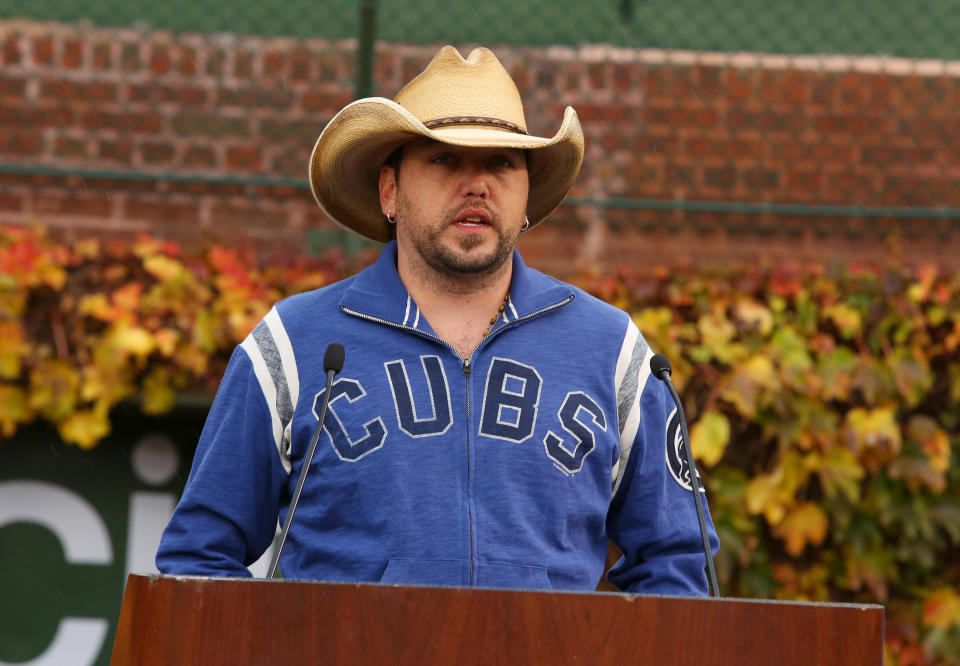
(160, 578)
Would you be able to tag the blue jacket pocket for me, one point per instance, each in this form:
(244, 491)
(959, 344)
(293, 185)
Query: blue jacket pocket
(425, 572)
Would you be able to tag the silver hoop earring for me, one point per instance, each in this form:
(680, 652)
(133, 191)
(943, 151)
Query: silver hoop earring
(526, 224)
(391, 220)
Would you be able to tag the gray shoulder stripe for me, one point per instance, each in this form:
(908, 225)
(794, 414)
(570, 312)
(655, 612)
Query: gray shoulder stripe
(627, 392)
(271, 356)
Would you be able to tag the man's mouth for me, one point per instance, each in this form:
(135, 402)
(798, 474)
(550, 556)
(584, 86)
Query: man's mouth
(473, 218)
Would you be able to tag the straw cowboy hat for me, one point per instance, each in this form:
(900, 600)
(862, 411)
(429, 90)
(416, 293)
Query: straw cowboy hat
(471, 102)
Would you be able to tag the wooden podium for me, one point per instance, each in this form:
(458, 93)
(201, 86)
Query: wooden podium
(195, 620)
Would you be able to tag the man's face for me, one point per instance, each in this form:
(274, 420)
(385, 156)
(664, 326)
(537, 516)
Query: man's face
(459, 210)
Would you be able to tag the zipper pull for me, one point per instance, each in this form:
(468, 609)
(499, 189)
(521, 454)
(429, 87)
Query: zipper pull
(466, 367)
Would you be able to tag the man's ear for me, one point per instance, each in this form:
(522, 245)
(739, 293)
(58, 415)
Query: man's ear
(388, 190)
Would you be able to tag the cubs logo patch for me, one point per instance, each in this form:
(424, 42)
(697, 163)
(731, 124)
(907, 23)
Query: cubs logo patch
(677, 453)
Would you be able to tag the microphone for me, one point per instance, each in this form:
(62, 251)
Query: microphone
(660, 367)
(332, 364)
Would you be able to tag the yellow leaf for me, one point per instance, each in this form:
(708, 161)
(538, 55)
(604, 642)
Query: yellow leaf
(806, 523)
(709, 437)
(839, 471)
(746, 385)
(12, 349)
(131, 339)
(942, 609)
(752, 314)
(874, 434)
(96, 305)
(127, 297)
(164, 268)
(934, 440)
(715, 329)
(53, 389)
(772, 494)
(105, 382)
(14, 409)
(166, 340)
(847, 319)
(85, 427)
(158, 396)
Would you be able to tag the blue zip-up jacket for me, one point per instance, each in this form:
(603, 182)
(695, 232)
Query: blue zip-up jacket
(508, 469)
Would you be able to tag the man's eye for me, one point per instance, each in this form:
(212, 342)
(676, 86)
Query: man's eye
(503, 161)
(443, 158)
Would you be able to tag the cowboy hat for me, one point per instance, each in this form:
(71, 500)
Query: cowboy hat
(471, 102)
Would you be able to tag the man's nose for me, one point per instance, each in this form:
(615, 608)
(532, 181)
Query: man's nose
(475, 182)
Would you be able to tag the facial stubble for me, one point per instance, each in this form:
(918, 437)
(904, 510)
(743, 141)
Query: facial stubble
(457, 260)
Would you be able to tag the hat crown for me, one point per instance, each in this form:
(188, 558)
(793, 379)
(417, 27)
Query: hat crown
(453, 90)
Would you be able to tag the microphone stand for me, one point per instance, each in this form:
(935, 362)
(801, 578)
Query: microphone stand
(332, 364)
(661, 370)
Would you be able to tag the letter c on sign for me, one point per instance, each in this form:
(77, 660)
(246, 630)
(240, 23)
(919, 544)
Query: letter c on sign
(84, 538)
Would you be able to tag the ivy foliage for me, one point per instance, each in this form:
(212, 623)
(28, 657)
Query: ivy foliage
(86, 326)
(824, 408)
(823, 402)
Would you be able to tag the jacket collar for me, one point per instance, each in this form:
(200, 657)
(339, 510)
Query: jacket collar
(377, 292)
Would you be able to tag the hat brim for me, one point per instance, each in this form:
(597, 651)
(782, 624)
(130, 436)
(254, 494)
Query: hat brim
(345, 163)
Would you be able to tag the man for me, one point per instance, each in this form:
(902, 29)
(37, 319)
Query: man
(491, 426)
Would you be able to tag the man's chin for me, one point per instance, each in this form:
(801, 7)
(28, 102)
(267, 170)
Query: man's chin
(472, 260)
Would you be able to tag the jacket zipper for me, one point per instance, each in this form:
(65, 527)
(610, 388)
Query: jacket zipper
(467, 372)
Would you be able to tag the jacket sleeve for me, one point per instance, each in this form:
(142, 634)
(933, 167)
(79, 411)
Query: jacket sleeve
(653, 517)
(227, 515)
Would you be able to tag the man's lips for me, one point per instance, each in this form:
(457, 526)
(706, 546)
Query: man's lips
(472, 217)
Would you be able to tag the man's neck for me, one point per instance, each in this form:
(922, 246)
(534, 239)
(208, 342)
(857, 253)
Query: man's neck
(458, 307)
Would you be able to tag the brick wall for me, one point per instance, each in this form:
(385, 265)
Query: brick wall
(201, 138)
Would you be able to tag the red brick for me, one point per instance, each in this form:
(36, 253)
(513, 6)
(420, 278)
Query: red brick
(21, 142)
(12, 51)
(324, 101)
(75, 202)
(243, 64)
(157, 152)
(130, 60)
(244, 158)
(291, 163)
(824, 89)
(235, 216)
(289, 130)
(253, 97)
(300, 65)
(102, 56)
(853, 90)
(43, 50)
(738, 84)
(13, 86)
(72, 56)
(198, 156)
(160, 62)
(163, 211)
(761, 179)
(84, 92)
(155, 93)
(841, 123)
(803, 181)
(11, 200)
(720, 177)
(120, 150)
(186, 58)
(209, 125)
(70, 147)
(597, 76)
(795, 88)
(274, 63)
